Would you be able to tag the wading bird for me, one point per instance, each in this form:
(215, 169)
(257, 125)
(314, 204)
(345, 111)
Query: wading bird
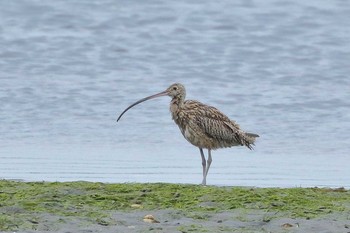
(202, 125)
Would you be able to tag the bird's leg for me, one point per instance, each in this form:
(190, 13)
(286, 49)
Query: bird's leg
(204, 166)
(208, 164)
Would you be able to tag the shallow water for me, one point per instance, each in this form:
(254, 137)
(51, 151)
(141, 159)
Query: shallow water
(279, 68)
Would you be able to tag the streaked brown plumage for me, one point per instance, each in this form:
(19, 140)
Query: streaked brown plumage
(202, 125)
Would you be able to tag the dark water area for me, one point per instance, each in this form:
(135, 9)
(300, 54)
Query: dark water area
(279, 68)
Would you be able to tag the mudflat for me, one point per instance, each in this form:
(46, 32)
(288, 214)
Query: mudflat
(160, 207)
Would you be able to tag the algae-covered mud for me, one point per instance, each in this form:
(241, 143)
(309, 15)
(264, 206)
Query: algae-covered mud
(99, 207)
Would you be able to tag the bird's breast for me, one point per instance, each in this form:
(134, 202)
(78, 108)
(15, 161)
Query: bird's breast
(191, 131)
(195, 136)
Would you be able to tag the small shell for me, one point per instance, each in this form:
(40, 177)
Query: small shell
(287, 225)
(150, 219)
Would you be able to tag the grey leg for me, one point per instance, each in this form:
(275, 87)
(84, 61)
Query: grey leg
(208, 163)
(204, 166)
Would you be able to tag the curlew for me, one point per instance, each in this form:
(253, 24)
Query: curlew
(203, 126)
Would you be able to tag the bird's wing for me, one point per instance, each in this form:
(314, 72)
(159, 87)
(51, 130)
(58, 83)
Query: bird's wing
(213, 122)
(217, 125)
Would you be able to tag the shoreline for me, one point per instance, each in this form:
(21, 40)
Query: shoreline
(100, 207)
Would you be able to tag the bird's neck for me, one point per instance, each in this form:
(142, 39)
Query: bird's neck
(175, 106)
(177, 100)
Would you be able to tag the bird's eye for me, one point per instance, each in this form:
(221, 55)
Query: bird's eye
(174, 88)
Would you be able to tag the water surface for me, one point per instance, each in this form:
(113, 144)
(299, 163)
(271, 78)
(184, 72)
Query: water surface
(279, 68)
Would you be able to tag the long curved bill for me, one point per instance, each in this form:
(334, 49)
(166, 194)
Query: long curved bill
(163, 93)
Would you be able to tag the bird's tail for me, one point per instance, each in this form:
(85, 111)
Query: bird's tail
(252, 135)
(251, 139)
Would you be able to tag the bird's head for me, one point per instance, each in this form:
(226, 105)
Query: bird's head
(176, 90)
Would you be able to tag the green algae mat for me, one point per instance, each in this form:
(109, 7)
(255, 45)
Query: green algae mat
(22, 203)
